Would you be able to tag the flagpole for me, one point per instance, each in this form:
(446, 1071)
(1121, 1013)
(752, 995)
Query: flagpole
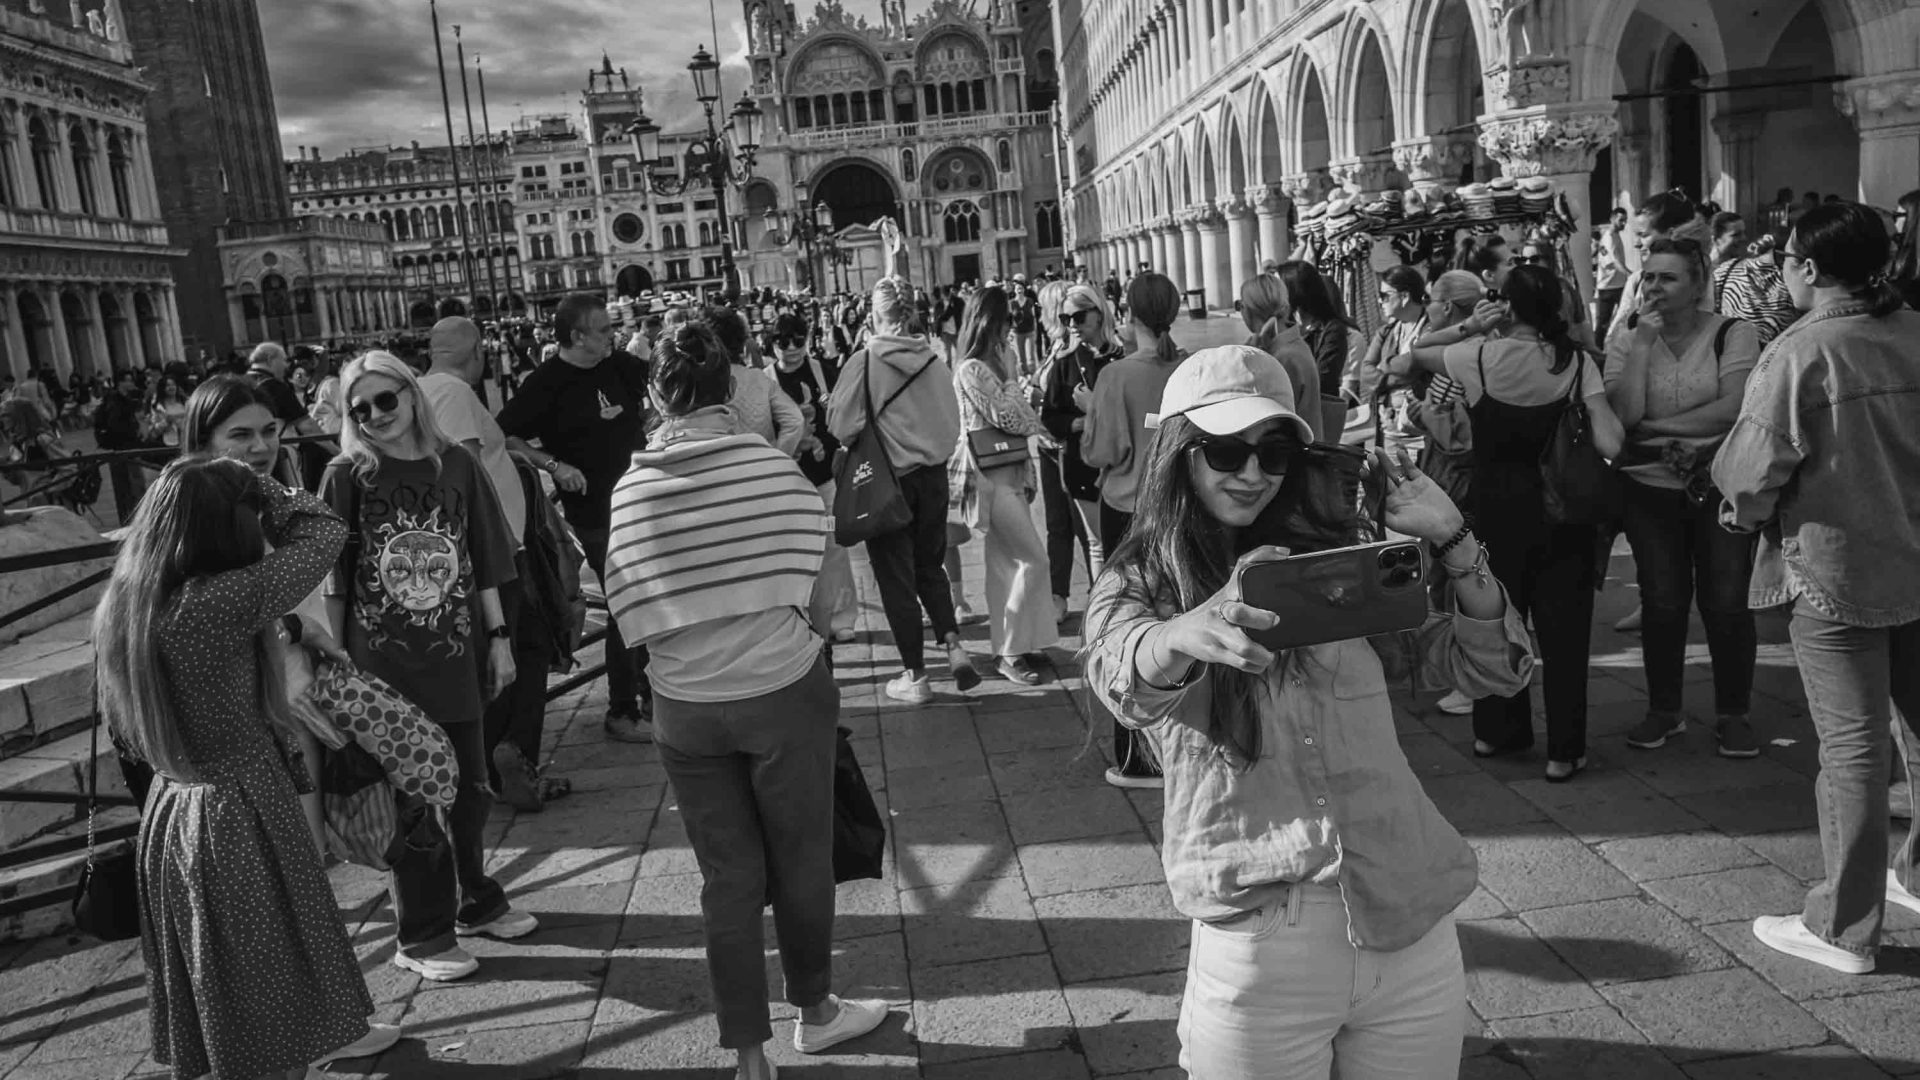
(453, 150)
(482, 198)
(506, 223)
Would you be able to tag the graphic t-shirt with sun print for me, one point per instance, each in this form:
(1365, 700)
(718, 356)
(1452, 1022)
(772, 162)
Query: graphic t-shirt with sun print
(425, 542)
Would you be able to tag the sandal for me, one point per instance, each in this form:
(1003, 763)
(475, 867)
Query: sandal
(554, 787)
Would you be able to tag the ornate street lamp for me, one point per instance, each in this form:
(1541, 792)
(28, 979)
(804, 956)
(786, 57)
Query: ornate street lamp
(717, 160)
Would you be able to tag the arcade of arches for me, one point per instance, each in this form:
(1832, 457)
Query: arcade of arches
(86, 327)
(1208, 131)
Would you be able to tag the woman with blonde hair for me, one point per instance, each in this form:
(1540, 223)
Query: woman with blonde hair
(250, 973)
(1063, 524)
(1268, 313)
(415, 601)
(1087, 345)
(995, 497)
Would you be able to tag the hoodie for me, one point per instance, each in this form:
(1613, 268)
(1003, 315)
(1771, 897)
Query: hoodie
(1121, 420)
(918, 428)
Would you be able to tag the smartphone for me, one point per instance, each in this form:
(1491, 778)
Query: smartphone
(1338, 595)
(1494, 296)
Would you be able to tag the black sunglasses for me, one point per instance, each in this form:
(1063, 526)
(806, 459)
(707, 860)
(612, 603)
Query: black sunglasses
(1076, 316)
(386, 401)
(1230, 455)
(1530, 260)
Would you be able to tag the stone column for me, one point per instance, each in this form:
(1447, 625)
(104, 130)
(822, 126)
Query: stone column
(62, 345)
(1270, 211)
(1192, 262)
(1242, 260)
(15, 331)
(171, 346)
(136, 348)
(1559, 143)
(1216, 267)
(1735, 189)
(1167, 237)
(1886, 111)
(1433, 165)
(96, 331)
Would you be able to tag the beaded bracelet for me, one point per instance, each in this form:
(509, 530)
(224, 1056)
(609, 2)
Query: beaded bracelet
(1477, 569)
(1454, 541)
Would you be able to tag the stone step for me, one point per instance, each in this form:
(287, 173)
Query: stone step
(59, 766)
(54, 879)
(46, 685)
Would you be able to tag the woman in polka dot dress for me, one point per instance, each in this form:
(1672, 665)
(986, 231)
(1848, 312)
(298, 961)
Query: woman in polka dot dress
(250, 973)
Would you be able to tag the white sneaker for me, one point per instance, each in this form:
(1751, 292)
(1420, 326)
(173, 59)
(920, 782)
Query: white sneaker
(1456, 704)
(506, 926)
(854, 1019)
(1128, 780)
(1788, 934)
(449, 966)
(378, 1039)
(904, 687)
(1898, 894)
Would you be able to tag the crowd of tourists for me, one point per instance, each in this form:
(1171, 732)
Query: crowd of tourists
(282, 632)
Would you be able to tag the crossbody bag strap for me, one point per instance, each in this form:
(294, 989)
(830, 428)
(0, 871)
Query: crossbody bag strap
(931, 360)
(93, 776)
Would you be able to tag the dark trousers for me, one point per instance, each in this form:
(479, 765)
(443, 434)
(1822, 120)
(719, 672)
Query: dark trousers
(626, 667)
(519, 716)
(1682, 553)
(1130, 752)
(128, 484)
(754, 780)
(909, 566)
(1063, 526)
(1605, 303)
(1860, 681)
(439, 878)
(1549, 573)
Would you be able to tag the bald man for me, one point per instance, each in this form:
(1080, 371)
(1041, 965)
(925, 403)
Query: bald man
(458, 366)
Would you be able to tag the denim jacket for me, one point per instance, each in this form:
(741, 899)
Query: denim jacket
(1331, 799)
(1823, 463)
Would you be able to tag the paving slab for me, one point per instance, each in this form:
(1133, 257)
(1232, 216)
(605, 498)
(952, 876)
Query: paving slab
(1625, 940)
(1715, 1014)
(1595, 1044)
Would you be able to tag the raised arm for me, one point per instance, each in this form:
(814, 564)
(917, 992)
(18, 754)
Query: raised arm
(306, 536)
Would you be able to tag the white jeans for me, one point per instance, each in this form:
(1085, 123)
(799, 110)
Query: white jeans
(1280, 994)
(1019, 605)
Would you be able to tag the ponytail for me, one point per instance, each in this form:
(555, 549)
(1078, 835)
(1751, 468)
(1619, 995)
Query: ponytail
(1849, 243)
(1881, 298)
(1155, 303)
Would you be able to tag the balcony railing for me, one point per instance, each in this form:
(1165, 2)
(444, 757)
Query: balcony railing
(940, 127)
(317, 224)
(55, 225)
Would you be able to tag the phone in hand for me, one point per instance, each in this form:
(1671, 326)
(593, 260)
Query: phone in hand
(1338, 595)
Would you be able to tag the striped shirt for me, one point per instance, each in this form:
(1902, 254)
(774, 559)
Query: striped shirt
(710, 529)
(1751, 289)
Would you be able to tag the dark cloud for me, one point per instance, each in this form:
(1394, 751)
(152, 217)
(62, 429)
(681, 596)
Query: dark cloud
(361, 72)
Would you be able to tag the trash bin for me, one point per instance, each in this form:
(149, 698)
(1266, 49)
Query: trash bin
(1197, 303)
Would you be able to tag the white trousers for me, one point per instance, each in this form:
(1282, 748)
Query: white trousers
(1280, 994)
(1019, 598)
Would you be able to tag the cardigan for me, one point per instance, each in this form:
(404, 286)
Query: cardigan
(710, 529)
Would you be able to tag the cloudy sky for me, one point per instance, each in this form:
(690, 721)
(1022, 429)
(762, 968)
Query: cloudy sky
(361, 72)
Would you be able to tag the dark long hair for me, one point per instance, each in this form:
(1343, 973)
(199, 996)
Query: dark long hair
(1176, 554)
(211, 403)
(983, 328)
(1312, 299)
(1669, 210)
(1536, 299)
(1849, 243)
(1154, 302)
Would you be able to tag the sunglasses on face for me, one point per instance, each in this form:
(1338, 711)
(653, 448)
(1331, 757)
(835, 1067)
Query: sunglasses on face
(385, 401)
(1230, 455)
(1075, 317)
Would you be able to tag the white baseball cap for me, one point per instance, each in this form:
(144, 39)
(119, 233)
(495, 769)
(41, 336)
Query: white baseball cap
(1230, 388)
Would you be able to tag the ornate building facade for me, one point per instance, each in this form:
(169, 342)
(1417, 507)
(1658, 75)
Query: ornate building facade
(86, 269)
(312, 280)
(409, 192)
(940, 120)
(1198, 126)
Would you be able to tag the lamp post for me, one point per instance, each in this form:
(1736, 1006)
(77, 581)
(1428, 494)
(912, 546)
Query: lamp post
(814, 231)
(716, 160)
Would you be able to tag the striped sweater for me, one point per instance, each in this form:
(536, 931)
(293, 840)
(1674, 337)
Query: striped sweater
(711, 529)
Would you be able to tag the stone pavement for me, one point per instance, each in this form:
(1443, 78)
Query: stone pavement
(1023, 931)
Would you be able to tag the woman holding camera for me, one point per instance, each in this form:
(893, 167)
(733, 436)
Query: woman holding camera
(1517, 386)
(1297, 837)
(1675, 380)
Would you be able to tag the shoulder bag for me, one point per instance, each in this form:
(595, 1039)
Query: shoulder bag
(1578, 485)
(106, 900)
(859, 832)
(992, 447)
(866, 497)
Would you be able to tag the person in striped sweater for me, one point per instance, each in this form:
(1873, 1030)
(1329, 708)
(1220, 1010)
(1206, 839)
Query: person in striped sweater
(716, 543)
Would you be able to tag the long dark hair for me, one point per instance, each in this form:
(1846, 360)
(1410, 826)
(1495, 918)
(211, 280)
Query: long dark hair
(1154, 302)
(1669, 210)
(983, 328)
(1535, 298)
(211, 403)
(1849, 243)
(1177, 554)
(1311, 298)
(1906, 254)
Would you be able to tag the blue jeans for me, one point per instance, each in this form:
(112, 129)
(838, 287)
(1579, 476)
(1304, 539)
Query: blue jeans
(1683, 554)
(1856, 679)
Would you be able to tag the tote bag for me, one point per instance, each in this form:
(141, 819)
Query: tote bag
(866, 497)
(1579, 486)
(859, 835)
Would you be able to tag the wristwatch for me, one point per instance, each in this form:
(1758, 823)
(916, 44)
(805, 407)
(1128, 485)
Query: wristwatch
(552, 464)
(500, 632)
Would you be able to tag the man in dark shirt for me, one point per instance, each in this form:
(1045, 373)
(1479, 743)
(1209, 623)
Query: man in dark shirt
(586, 408)
(116, 426)
(268, 367)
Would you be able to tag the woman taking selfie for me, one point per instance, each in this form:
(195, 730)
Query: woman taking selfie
(415, 599)
(250, 974)
(1821, 463)
(1517, 386)
(1298, 839)
(1676, 380)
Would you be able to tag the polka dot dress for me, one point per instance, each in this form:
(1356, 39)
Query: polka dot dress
(249, 968)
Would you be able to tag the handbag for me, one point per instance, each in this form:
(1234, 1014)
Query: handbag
(362, 821)
(106, 900)
(859, 834)
(409, 750)
(866, 497)
(1579, 486)
(992, 448)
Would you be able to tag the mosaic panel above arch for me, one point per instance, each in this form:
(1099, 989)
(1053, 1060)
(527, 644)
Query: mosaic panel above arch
(952, 55)
(956, 170)
(835, 65)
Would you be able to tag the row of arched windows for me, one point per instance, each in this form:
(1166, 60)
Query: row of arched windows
(94, 194)
(956, 98)
(453, 271)
(433, 223)
(839, 110)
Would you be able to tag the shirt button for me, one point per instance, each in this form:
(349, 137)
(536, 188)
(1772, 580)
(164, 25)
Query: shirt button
(1321, 801)
(1297, 681)
(1309, 740)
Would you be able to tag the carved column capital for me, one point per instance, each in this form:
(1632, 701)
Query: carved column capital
(1307, 187)
(1232, 205)
(1435, 161)
(1880, 101)
(1363, 175)
(1548, 142)
(1529, 82)
(1267, 200)
(1205, 216)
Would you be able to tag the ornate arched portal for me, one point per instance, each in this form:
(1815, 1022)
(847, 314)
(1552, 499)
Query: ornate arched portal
(859, 192)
